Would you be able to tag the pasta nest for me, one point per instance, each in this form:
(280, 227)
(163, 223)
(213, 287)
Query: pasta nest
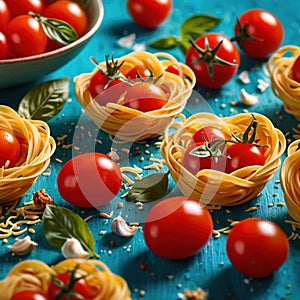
(289, 180)
(284, 87)
(214, 187)
(37, 146)
(127, 124)
(35, 275)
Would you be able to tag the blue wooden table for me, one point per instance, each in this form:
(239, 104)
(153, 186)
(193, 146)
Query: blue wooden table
(148, 276)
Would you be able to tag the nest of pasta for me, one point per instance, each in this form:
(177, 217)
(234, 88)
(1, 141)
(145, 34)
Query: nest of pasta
(214, 187)
(284, 87)
(289, 180)
(37, 146)
(129, 124)
(35, 275)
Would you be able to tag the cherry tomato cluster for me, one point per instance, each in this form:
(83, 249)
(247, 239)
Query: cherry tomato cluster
(62, 286)
(30, 27)
(209, 149)
(177, 227)
(215, 59)
(136, 89)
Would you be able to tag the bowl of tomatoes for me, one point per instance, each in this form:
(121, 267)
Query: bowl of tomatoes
(223, 161)
(135, 97)
(39, 37)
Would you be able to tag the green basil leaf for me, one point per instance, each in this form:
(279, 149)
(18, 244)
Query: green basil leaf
(149, 188)
(45, 100)
(60, 223)
(165, 42)
(57, 30)
(198, 24)
(184, 45)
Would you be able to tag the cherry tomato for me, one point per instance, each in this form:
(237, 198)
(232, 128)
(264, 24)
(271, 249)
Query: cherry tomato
(89, 180)
(258, 33)
(104, 91)
(296, 69)
(26, 36)
(4, 47)
(81, 287)
(242, 155)
(172, 69)
(23, 7)
(177, 227)
(208, 134)
(29, 295)
(147, 13)
(139, 70)
(211, 72)
(70, 12)
(257, 247)
(145, 97)
(10, 148)
(197, 157)
(5, 15)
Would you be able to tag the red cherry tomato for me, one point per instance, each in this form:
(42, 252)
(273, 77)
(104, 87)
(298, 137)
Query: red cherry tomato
(70, 12)
(211, 73)
(172, 69)
(89, 180)
(81, 287)
(265, 31)
(4, 47)
(194, 162)
(26, 36)
(147, 13)
(5, 15)
(10, 148)
(145, 97)
(208, 134)
(23, 7)
(242, 155)
(296, 69)
(177, 227)
(257, 247)
(138, 71)
(29, 295)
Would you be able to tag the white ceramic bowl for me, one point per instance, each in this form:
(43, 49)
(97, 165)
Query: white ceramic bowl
(17, 71)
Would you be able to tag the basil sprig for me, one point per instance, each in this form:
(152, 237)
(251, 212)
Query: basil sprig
(45, 100)
(192, 27)
(60, 223)
(149, 188)
(59, 31)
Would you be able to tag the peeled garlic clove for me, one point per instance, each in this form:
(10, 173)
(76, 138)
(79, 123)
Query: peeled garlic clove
(73, 249)
(247, 98)
(22, 246)
(121, 228)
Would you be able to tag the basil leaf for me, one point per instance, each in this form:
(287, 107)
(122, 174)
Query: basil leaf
(184, 45)
(165, 42)
(57, 30)
(198, 24)
(45, 100)
(60, 223)
(149, 188)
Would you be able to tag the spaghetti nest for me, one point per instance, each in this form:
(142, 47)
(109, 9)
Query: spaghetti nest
(37, 146)
(284, 87)
(289, 180)
(214, 187)
(127, 124)
(36, 276)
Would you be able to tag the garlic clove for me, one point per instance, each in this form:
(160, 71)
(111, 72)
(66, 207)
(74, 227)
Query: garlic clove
(121, 228)
(73, 249)
(247, 98)
(22, 246)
